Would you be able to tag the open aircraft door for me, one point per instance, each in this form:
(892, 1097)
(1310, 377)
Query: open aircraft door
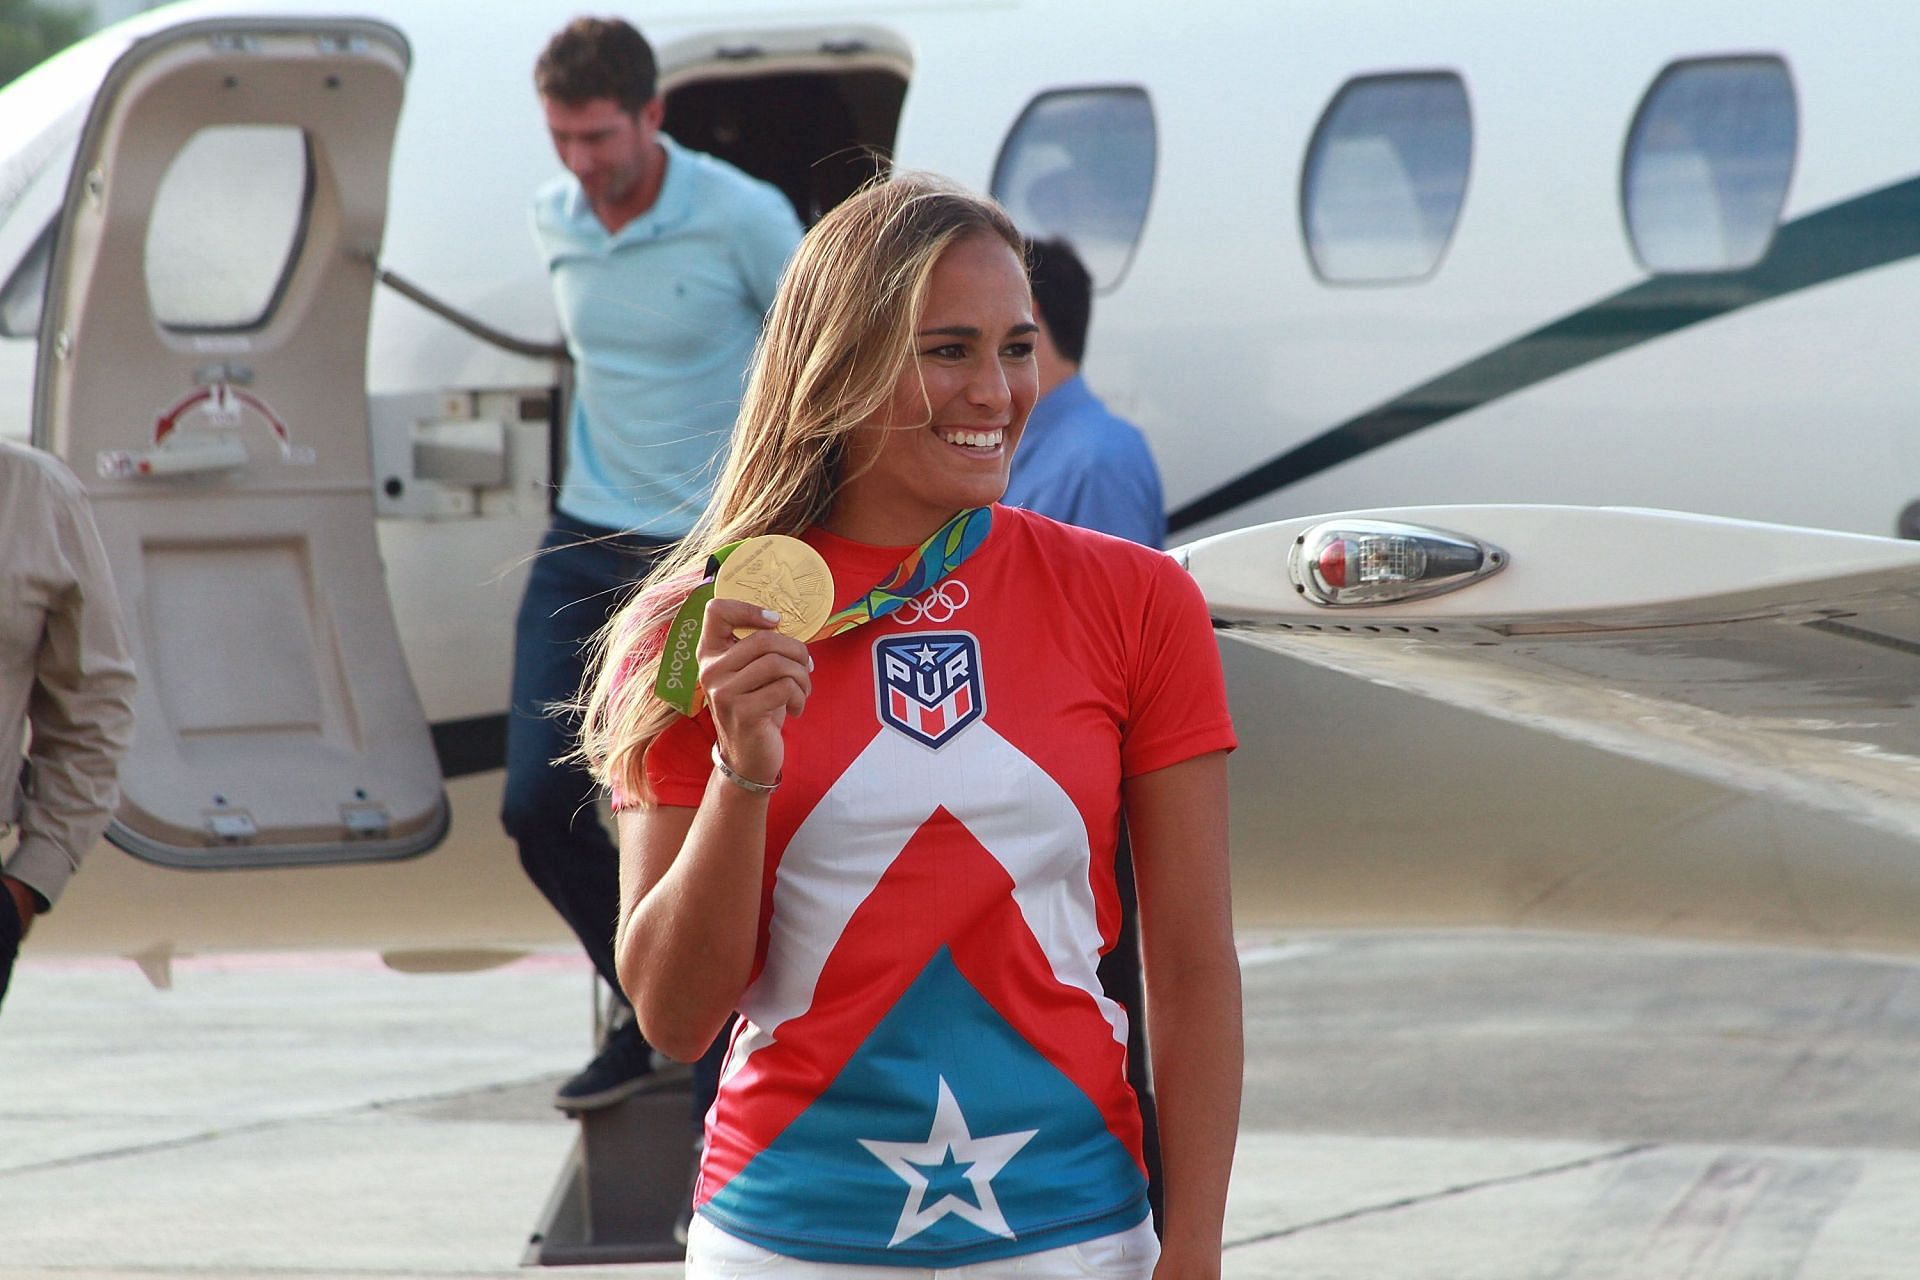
(202, 368)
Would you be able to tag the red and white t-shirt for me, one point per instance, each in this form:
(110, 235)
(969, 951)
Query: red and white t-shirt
(926, 1072)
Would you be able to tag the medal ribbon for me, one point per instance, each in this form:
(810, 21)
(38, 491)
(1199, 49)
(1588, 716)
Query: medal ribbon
(677, 683)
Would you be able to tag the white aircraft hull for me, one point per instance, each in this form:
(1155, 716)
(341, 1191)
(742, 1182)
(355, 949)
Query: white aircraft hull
(1540, 363)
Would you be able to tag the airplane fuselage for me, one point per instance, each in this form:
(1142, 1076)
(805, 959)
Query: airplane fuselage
(1529, 332)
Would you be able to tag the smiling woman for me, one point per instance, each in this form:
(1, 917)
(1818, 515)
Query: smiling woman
(946, 437)
(889, 845)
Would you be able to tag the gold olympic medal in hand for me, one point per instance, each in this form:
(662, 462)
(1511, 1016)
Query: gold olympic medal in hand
(779, 573)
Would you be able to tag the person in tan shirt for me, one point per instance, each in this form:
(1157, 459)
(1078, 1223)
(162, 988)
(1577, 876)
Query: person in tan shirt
(66, 686)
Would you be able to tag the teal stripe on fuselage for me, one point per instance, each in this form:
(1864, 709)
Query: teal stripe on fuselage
(1856, 235)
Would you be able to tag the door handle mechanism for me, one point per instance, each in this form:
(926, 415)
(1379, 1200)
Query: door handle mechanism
(200, 456)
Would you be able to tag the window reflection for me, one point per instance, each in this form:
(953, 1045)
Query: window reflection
(1078, 166)
(1708, 162)
(1385, 178)
(33, 181)
(26, 291)
(226, 227)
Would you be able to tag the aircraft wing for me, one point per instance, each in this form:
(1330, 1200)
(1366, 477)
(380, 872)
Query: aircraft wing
(1767, 660)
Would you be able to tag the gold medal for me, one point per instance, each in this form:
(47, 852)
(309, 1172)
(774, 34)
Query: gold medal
(779, 573)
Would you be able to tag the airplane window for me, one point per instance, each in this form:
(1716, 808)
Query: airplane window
(1707, 164)
(1078, 165)
(24, 293)
(1385, 177)
(33, 181)
(227, 226)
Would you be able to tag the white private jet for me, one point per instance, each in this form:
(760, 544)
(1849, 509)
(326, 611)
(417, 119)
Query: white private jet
(1437, 258)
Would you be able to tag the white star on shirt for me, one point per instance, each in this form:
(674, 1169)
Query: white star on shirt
(926, 655)
(986, 1156)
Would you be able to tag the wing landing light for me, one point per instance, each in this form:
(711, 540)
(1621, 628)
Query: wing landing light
(1341, 563)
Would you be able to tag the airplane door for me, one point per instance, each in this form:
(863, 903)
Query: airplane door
(202, 369)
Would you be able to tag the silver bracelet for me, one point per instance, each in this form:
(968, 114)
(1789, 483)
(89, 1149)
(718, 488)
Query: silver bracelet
(741, 780)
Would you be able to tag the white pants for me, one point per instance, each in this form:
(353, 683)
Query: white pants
(712, 1254)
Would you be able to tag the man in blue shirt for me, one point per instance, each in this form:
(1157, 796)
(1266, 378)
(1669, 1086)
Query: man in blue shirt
(1077, 462)
(664, 262)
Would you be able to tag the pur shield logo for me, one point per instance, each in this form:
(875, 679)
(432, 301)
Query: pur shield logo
(928, 685)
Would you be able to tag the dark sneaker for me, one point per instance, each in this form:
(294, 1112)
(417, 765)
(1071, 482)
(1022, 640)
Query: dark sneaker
(624, 1066)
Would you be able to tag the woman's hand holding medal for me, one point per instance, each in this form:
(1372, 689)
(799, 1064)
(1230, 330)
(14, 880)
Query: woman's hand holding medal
(770, 596)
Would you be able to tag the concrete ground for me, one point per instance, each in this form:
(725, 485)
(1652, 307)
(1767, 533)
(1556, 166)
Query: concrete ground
(1466, 1107)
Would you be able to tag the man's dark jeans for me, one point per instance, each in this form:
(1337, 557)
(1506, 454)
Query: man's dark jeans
(580, 578)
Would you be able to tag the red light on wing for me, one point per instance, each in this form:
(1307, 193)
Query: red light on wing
(1332, 564)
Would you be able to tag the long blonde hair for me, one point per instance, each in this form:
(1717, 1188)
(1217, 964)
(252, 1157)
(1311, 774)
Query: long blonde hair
(839, 336)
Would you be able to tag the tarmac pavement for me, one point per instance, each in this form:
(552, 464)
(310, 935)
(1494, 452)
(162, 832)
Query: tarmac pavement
(1466, 1107)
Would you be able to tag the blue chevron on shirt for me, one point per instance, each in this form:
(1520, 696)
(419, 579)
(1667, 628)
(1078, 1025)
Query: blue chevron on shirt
(943, 1079)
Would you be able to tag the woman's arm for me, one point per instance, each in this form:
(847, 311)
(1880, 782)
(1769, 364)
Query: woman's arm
(690, 879)
(1178, 820)
(689, 904)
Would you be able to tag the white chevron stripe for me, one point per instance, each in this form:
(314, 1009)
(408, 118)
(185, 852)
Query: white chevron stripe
(1015, 810)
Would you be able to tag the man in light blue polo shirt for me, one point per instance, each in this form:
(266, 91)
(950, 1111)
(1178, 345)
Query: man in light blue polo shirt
(663, 262)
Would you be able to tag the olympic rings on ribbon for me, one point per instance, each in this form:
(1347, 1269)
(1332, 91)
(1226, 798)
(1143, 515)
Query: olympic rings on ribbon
(937, 605)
